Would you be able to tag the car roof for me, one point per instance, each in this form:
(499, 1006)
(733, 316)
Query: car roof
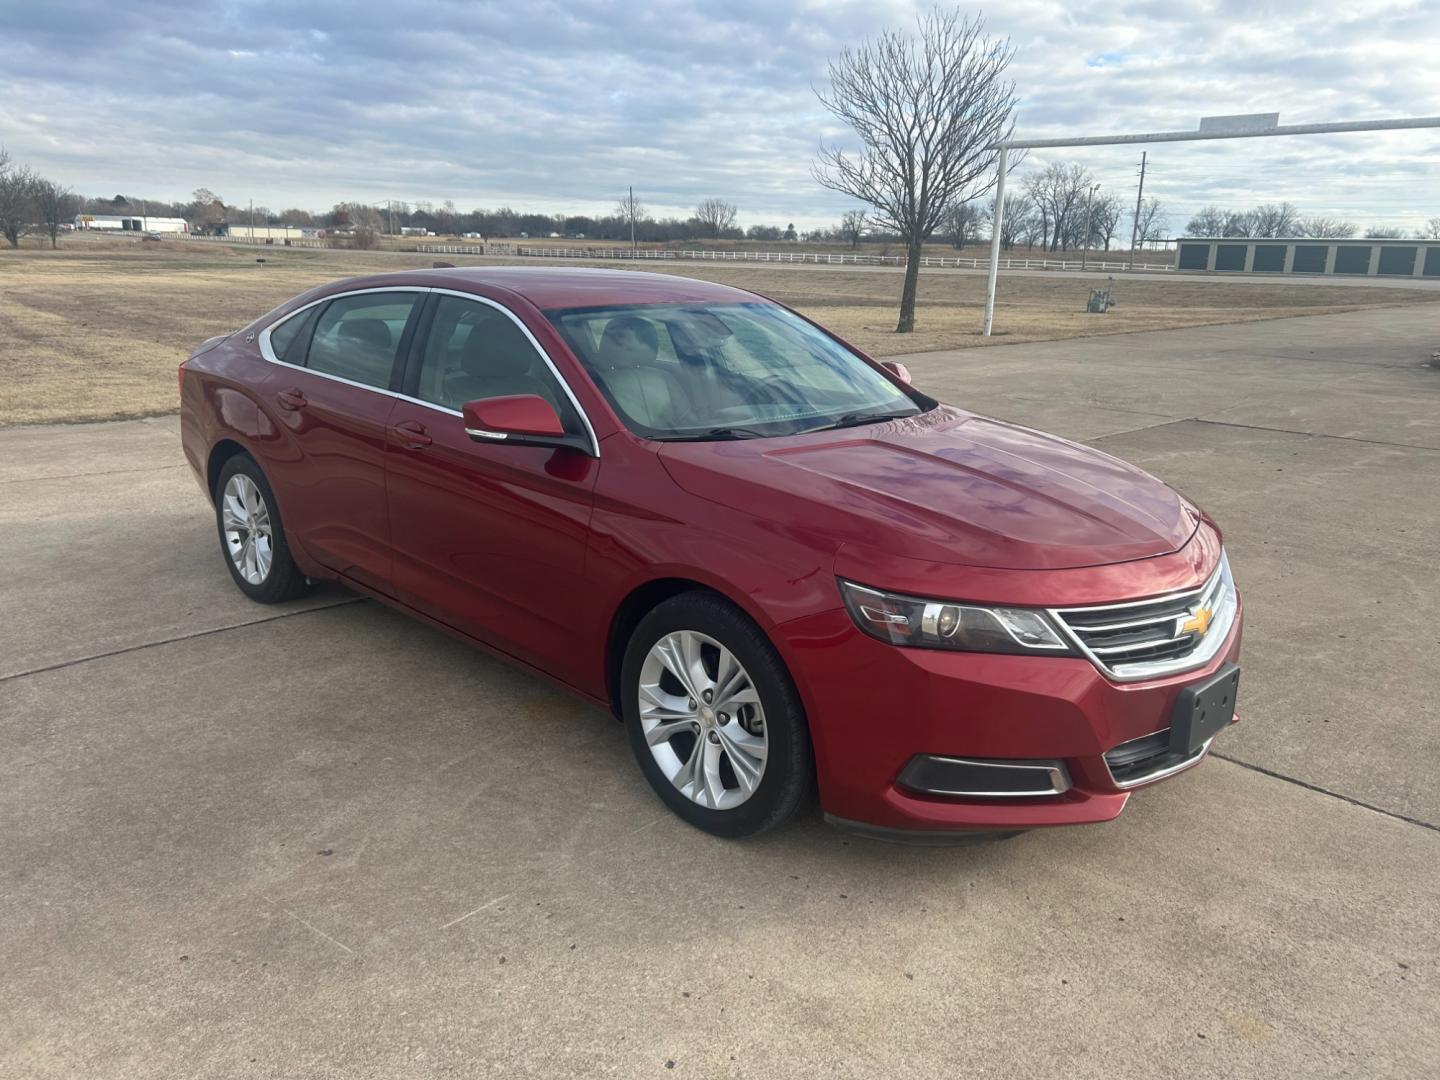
(551, 287)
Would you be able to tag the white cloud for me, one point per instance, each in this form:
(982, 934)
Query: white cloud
(559, 106)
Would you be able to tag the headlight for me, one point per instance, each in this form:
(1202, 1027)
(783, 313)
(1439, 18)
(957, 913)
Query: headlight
(939, 624)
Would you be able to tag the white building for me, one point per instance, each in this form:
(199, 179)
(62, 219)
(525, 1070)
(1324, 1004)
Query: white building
(268, 233)
(141, 223)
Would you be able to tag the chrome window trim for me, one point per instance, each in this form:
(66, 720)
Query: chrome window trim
(1209, 647)
(1159, 774)
(1059, 781)
(267, 351)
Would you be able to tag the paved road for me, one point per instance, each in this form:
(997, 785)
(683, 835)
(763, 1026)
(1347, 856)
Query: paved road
(324, 841)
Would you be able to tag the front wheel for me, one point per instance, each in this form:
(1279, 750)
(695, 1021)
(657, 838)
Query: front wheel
(713, 717)
(252, 536)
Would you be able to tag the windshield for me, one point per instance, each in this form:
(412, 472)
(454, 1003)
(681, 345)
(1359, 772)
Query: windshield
(718, 371)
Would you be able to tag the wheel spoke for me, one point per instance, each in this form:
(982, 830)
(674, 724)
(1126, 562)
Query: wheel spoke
(690, 772)
(263, 556)
(666, 730)
(746, 753)
(709, 773)
(656, 703)
(236, 516)
(741, 693)
(680, 653)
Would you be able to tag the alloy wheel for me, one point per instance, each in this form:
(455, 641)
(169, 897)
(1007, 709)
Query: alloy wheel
(249, 537)
(702, 719)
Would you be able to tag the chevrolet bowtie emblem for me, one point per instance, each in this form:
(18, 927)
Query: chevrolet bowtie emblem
(1196, 622)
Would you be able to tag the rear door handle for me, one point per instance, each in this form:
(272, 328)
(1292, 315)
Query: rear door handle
(411, 435)
(291, 399)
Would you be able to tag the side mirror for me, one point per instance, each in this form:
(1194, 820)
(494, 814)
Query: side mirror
(899, 370)
(518, 420)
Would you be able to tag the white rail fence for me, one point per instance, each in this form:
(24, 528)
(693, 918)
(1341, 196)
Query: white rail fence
(811, 257)
(260, 241)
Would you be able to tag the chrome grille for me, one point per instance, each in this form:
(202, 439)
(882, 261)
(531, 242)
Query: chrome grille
(1150, 638)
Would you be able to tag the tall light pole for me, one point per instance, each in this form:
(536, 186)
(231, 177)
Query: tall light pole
(1085, 243)
(1211, 127)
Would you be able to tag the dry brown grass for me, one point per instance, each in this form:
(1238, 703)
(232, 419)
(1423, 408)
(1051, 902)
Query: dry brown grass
(96, 330)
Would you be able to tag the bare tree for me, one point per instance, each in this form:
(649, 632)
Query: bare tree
(716, 217)
(927, 110)
(1274, 220)
(962, 222)
(1152, 221)
(1430, 230)
(631, 211)
(17, 199)
(1058, 192)
(852, 227)
(1105, 220)
(1383, 232)
(56, 204)
(1324, 228)
(1239, 223)
(1021, 222)
(1209, 221)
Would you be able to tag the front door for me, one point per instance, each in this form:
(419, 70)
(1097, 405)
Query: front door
(488, 538)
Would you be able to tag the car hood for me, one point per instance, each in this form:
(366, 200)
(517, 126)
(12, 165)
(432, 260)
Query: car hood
(948, 486)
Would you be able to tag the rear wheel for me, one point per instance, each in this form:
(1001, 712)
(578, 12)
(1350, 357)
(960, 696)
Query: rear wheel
(713, 717)
(252, 536)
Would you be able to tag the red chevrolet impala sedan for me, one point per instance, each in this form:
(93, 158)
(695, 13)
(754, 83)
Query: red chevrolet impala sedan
(781, 565)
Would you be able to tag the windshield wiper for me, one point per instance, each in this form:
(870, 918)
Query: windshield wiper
(855, 419)
(715, 434)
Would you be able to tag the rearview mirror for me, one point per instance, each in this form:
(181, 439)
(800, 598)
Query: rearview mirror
(518, 420)
(899, 370)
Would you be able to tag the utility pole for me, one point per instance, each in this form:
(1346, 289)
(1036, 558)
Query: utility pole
(252, 221)
(1085, 243)
(630, 207)
(1139, 194)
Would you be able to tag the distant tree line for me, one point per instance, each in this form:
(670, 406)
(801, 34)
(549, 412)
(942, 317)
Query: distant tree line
(1276, 220)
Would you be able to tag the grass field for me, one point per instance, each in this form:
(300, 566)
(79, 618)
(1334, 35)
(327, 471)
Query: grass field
(95, 330)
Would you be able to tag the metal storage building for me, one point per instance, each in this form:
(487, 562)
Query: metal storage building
(1299, 255)
(131, 223)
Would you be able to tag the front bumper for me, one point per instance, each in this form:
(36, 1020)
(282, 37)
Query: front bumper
(874, 707)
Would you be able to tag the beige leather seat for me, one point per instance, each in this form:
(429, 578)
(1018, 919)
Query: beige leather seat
(643, 390)
(498, 361)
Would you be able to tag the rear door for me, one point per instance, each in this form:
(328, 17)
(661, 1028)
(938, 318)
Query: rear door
(333, 387)
(488, 538)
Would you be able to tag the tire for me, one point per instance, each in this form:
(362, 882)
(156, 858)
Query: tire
(243, 498)
(755, 715)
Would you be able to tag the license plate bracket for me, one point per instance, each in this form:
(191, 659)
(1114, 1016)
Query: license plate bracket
(1203, 709)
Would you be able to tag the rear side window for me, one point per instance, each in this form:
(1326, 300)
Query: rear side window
(357, 337)
(288, 340)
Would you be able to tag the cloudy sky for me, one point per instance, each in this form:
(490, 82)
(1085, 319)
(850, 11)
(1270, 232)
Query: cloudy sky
(557, 105)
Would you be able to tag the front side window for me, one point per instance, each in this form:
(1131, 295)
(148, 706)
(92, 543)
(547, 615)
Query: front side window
(357, 337)
(476, 351)
(698, 371)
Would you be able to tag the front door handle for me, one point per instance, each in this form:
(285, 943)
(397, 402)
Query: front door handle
(291, 398)
(411, 435)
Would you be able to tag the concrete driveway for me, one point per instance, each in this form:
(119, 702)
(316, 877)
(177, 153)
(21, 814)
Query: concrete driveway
(325, 841)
